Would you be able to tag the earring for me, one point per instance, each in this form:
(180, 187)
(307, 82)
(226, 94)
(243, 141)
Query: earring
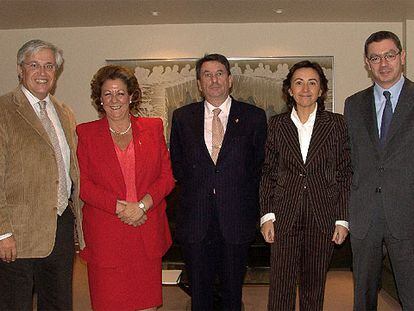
(101, 103)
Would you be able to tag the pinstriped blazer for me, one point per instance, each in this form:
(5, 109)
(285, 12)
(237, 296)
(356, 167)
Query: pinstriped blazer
(325, 177)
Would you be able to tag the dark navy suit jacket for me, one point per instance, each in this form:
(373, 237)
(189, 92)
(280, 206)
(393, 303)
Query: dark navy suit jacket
(235, 178)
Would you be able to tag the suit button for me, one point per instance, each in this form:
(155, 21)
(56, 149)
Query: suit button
(217, 171)
(378, 190)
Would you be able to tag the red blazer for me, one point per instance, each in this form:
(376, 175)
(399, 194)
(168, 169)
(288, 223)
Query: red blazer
(102, 184)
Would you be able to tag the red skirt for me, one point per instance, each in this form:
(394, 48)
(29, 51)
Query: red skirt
(135, 285)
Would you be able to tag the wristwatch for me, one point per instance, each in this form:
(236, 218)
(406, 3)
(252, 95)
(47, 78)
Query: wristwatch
(141, 205)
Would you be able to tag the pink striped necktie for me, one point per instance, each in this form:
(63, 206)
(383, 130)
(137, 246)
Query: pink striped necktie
(51, 132)
(217, 135)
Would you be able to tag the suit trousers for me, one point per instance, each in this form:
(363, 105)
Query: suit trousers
(214, 258)
(300, 256)
(49, 277)
(368, 263)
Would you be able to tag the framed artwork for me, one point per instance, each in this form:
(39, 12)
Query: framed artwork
(168, 84)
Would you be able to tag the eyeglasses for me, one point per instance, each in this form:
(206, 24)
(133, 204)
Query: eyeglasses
(35, 66)
(389, 57)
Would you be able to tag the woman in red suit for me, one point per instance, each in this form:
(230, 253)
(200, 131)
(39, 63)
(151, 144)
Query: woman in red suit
(125, 177)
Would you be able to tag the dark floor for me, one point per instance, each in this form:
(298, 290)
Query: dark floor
(338, 294)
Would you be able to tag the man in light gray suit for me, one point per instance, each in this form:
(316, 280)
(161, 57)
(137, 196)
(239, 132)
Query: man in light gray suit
(381, 128)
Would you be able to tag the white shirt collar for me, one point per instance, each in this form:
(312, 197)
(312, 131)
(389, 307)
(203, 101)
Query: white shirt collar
(225, 107)
(33, 100)
(310, 122)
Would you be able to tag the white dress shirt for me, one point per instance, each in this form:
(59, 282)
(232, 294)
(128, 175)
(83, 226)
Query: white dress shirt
(305, 134)
(208, 120)
(64, 147)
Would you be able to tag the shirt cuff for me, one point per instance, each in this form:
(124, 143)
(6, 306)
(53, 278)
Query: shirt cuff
(342, 223)
(267, 217)
(5, 236)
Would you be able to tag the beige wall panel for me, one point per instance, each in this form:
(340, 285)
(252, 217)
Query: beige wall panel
(85, 50)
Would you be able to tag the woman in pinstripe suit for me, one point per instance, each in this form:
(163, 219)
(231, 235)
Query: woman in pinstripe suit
(304, 190)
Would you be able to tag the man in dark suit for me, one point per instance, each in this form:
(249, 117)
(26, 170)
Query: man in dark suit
(381, 128)
(39, 186)
(217, 157)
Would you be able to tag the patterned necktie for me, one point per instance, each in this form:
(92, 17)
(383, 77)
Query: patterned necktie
(217, 135)
(51, 132)
(386, 118)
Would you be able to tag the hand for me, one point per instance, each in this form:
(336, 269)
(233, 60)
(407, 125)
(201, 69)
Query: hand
(140, 221)
(340, 234)
(120, 206)
(130, 213)
(268, 231)
(8, 249)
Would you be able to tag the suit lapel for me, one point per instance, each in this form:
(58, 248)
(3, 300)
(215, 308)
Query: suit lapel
(65, 121)
(25, 110)
(234, 122)
(289, 132)
(369, 116)
(106, 148)
(402, 110)
(322, 128)
(198, 130)
(142, 144)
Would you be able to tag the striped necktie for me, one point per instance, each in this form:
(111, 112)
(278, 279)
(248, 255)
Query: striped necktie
(217, 135)
(51, 132)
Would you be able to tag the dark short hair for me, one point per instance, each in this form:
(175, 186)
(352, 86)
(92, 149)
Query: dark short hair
(323, 81)
(209, 58)
(112, 72)
(382, 35)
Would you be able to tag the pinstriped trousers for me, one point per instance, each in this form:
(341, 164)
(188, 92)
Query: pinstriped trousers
(300, 258)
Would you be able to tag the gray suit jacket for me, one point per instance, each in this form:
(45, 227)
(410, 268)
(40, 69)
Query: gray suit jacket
(383, 177)
(28, 175)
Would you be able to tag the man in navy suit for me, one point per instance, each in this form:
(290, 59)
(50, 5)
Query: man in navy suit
(219, 181)
(381, 129)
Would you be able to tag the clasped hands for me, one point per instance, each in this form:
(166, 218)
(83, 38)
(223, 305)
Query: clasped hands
(130, 213)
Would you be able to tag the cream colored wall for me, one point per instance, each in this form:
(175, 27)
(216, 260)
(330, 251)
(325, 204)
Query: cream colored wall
(85, 50)
(409, 46)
